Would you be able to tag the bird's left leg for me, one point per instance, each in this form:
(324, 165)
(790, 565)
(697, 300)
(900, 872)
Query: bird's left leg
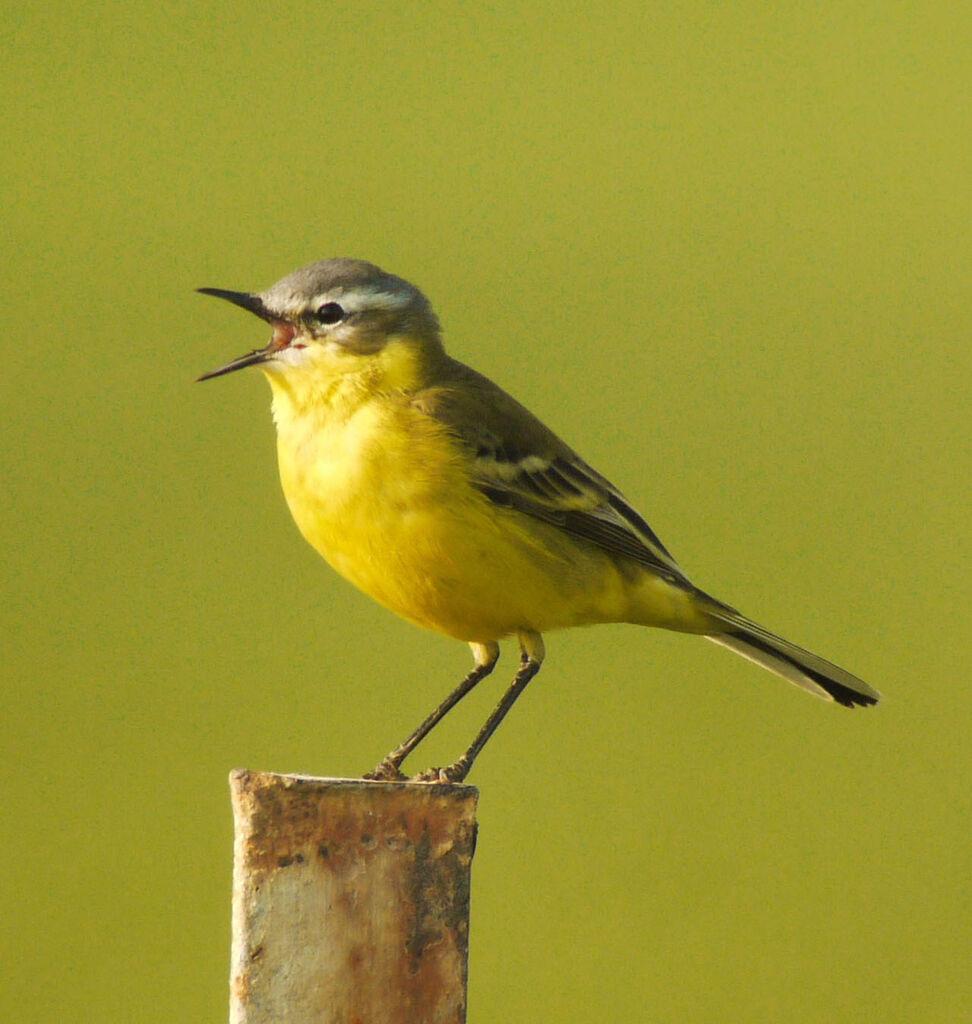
(389, 769)
(531, 658)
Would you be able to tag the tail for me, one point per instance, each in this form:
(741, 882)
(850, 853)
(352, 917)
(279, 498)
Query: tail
(808, 671)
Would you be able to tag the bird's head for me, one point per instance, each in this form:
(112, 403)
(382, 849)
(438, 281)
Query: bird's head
(335, 319)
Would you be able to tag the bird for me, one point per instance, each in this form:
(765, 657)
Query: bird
(447, 501)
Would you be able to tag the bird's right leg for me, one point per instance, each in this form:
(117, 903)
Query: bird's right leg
(531, 658)
(389, 768)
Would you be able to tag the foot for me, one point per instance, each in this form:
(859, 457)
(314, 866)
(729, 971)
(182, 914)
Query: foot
(386, 771)
(452, 773)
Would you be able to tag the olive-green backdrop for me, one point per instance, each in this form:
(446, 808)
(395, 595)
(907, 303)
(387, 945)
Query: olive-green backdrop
(724, 250)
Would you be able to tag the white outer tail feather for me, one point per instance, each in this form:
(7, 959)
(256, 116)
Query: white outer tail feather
(809, 671)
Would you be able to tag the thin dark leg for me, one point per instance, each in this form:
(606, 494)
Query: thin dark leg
(390, 766)
(530, 663)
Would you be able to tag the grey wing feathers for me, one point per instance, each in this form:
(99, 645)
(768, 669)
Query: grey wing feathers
(520, 464)
(561, 493)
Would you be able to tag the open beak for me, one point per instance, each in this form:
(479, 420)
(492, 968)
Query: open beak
(283, 332)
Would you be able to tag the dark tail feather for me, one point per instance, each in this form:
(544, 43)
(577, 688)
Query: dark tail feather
(806, 670)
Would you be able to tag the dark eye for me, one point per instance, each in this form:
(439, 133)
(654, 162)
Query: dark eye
(329, 313)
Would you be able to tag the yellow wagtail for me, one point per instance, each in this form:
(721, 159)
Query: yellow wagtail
(447, 501)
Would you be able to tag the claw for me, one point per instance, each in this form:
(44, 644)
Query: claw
(451, 773)
(386, 771)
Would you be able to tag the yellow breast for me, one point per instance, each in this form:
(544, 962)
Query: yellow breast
(383, 492)
(379, 492)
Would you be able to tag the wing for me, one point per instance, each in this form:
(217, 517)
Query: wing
(521, 464)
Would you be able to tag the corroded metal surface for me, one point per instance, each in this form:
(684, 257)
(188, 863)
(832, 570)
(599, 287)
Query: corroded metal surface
(350, 900)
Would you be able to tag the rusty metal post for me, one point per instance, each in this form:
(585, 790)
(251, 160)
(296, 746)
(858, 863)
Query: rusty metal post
(350, 900)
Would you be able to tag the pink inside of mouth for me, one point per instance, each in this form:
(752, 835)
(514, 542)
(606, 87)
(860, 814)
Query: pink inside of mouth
(283, 335)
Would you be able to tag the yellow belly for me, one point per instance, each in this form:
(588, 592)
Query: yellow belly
(384, 496)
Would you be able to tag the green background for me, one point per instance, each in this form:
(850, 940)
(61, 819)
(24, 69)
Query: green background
(724, 250)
